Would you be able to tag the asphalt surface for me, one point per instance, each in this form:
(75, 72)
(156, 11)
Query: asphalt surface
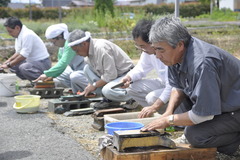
(33, 137)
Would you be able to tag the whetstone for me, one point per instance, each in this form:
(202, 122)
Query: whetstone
(136, 138)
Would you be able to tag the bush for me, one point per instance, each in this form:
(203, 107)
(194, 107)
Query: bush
(20, 13)
(4, 12)
(193, 10)
(50, 13)
(186, 10)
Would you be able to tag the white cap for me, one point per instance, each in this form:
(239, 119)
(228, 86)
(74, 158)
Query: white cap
(55, 30)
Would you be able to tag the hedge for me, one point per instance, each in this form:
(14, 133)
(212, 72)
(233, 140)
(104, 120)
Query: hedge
(186, 10)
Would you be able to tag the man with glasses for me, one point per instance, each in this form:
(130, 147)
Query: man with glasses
(106, 65)
(154, 93)
(68, 71)
(206, 76)
(31, 57)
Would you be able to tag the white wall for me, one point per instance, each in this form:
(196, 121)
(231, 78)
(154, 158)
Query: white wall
(226, 4)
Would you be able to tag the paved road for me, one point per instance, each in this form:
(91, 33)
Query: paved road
(33, 137)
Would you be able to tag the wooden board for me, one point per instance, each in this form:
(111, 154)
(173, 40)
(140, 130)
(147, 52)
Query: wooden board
(182, 152)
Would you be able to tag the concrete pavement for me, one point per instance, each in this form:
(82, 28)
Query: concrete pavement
(33, 137)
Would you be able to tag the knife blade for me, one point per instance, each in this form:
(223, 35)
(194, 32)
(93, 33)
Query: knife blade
(120, 85)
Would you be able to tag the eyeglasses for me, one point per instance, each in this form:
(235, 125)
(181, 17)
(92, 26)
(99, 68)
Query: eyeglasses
(140, 48)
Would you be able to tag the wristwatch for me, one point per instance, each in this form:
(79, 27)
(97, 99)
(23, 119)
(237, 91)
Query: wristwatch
(8, 64)
(171, 120)
(94, 84)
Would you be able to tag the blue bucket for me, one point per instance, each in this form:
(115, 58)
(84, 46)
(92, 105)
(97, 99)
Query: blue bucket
(121, 126)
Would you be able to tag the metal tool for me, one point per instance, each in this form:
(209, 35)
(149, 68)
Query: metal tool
(72, 98)
(120, 85)
(77, 97)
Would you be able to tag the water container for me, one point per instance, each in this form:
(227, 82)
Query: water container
(121, 126)
(8, 84)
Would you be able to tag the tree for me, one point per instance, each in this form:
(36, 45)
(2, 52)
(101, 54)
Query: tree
(4, 3)
(212, 3)
(102, 6)
(215, 3)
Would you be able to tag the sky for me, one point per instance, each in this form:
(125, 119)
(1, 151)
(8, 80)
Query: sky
(26, 1)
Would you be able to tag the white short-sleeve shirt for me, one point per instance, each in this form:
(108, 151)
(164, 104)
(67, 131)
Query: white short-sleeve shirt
(30, 45)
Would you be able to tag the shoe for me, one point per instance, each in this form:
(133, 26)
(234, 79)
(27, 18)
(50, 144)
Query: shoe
(181, 139)
(106, 104)
(131, 104)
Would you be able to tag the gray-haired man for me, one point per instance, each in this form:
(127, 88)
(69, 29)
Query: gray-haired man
(106, 65)
(205, 75)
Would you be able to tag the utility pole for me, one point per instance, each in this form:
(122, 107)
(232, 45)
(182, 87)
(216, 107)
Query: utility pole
(30, 10)
(59, 12)
(211, 6)
(176, 8)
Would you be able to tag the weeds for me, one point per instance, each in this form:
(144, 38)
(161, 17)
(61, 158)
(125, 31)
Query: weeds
(221, 15)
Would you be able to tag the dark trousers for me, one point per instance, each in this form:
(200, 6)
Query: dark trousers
(223, 132)
(31, 70)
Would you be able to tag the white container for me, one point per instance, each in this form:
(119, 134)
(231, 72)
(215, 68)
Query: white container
(129, 117)
(8, 84)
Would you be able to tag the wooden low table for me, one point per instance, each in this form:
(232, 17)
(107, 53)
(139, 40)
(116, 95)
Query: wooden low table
(182, 152)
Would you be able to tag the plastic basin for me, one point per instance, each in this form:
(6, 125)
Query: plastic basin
(27, 103)
(121, 126)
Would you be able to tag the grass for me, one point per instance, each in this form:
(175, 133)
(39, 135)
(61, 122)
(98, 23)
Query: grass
(225, 38)
(221, 15)
(121, 27)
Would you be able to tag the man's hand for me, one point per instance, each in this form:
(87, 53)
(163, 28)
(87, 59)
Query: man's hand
(127, 81)
(147, 112)
(3, 66)
(43, 77)
(90, 88)
(159, 123)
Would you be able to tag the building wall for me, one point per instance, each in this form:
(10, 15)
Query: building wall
(226, 4)
(234, 5)
(237, 5)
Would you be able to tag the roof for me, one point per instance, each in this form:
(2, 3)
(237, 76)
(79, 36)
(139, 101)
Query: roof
(81, 3)
(17, 5)
(55, 3)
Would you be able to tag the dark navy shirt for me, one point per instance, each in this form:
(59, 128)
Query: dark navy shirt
(210, 77)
